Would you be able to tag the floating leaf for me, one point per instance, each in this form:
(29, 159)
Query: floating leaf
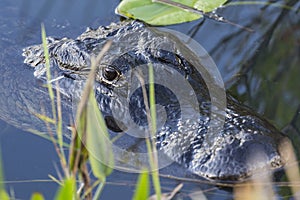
(206, 5)
(155, 13)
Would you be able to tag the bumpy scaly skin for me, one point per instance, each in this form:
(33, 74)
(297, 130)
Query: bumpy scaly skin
(245, 144)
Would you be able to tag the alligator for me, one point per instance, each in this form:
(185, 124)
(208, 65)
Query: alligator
(245, 144)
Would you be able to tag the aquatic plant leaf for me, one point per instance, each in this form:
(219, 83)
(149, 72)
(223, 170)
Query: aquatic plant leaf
(37, 196)
(45, 118)
(67, 190)
(142, 187)
(4, 195)
(155, 13)
(98, 143)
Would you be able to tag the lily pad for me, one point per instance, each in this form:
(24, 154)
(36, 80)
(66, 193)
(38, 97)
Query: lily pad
(155, 13)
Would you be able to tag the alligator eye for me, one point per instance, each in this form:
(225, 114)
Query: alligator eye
(110, 73)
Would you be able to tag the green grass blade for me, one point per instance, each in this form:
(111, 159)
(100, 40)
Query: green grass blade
(48, 74)
(142, 187)
(45, 136)
(155, 173)
(151, 118)
(1, 175)
(67, 190)
(45, 118)
(98, 191)
(37, 196)
(58, 123)
(152, 100)
(3, 193)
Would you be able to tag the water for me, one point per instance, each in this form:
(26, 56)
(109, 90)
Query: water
(27, 158)
(260, 69)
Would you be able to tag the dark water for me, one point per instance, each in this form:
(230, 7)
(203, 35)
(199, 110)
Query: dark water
(261, 69)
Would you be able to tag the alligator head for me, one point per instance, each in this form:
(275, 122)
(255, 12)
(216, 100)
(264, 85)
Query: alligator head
(243, 142)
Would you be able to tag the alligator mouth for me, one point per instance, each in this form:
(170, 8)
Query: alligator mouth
(255, 159)
(225, 175)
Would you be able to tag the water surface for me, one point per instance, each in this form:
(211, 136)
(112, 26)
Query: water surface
(260, 68)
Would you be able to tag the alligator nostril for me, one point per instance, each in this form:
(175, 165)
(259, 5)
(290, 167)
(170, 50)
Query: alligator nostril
(276, 162)
(256, 156)
(261, 156)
